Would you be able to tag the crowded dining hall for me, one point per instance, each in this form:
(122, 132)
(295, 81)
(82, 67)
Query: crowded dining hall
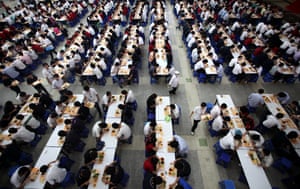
(158, 94)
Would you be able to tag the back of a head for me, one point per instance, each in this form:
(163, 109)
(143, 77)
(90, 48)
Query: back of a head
(255, 137)
(281, 94)
(203, 104)
(157, 180)
(292, 135)
(261, 91)
(223, 106)
(23, 171)
(86, 88)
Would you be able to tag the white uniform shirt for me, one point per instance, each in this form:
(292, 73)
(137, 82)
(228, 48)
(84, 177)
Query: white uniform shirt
(90, 95)
(55, 174)
(124, 132)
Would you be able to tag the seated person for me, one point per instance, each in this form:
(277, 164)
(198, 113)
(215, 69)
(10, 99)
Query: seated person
(256, 138)
(180, 146)
(175, 112)
(232, 140)
(151, 181)
(219, 125)
(183, 169)
(149, 128)
(21, 134)
(90, 155)
(116, 173)
(273, 121)
(98, 130)
(124, 131)
(265, 157)
(151, 163)
(83, 177)
(151, 103)
(56, 173)
(127, 114)
(21, 176)
(150, 146)
(52, 120)
(283, 98)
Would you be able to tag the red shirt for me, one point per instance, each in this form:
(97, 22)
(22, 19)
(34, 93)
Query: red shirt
(148, 166)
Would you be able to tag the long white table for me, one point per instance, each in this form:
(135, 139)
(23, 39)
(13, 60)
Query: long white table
(109, 154)
(274, 106)
(225, 99)
(48, 154)
(110, 139)
(164, 171)
(256, 176)
(164, 134)
(113, 110)
(162, 111)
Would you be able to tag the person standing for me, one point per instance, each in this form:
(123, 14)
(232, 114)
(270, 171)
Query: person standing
(173, 83)
(91, 95)
(196, 115)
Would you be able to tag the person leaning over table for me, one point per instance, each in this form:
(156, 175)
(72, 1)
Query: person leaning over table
(180, 146)
(265, 157)
(48, 73)
(21, 134)
(34, 81)
(173, 84)
(217, 110)
(256, 138)
(149, 128)
(256, 99)
(60, 107)
(283, 98)
(52, 120)
(127, 114)
(57, 83)
(175, 112)
(91, 95)
(116, 173)
(21, 176)
(152, 181)
(150, 164)
(282, 144)
(106, 100)
(22, 97)
(124, 132)
(151, 103)
(183, 170)
(98, 130)
(55, 174)
(232, 140)
(89, 156)
(83, 177)
(129, 97)
(219, 125)
(272, 121)
(197, 113)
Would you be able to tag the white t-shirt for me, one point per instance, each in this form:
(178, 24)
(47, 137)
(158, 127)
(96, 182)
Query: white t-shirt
(23, 134)
(227, 142)
(90, 95)
(217, 124)
(198, 111)
(124, 132)
(96, 131)
(55, 174)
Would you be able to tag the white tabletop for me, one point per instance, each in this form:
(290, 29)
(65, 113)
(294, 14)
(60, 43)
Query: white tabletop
(169, 159)
(161, 103)
(110, 141)
(256, 176)
(225, 99)
(55, 140)
(164, 133)
(48, 154)
(109, 154)
(113, 107)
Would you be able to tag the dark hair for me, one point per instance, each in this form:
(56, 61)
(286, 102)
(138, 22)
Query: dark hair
(23, 171)
(12, 130)
(157, 180)
(124, 92)
(203, 104)
(86, 88)
(121, 106)
(62, 133)
(266, 151)
(172, 106)
(282, 94)
(226, 118)
(20, 117)
(174, 144)
(68, 121)
(223, 106)
(279, 115)
(77, 104)
(255, 137)
(102, 125)
(110, 170)
(261, 91)
(237, 137)
(115, 125)
(43, 169)
(292, 135)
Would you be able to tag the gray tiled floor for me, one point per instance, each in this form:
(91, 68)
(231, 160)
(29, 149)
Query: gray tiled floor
(205, 173)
